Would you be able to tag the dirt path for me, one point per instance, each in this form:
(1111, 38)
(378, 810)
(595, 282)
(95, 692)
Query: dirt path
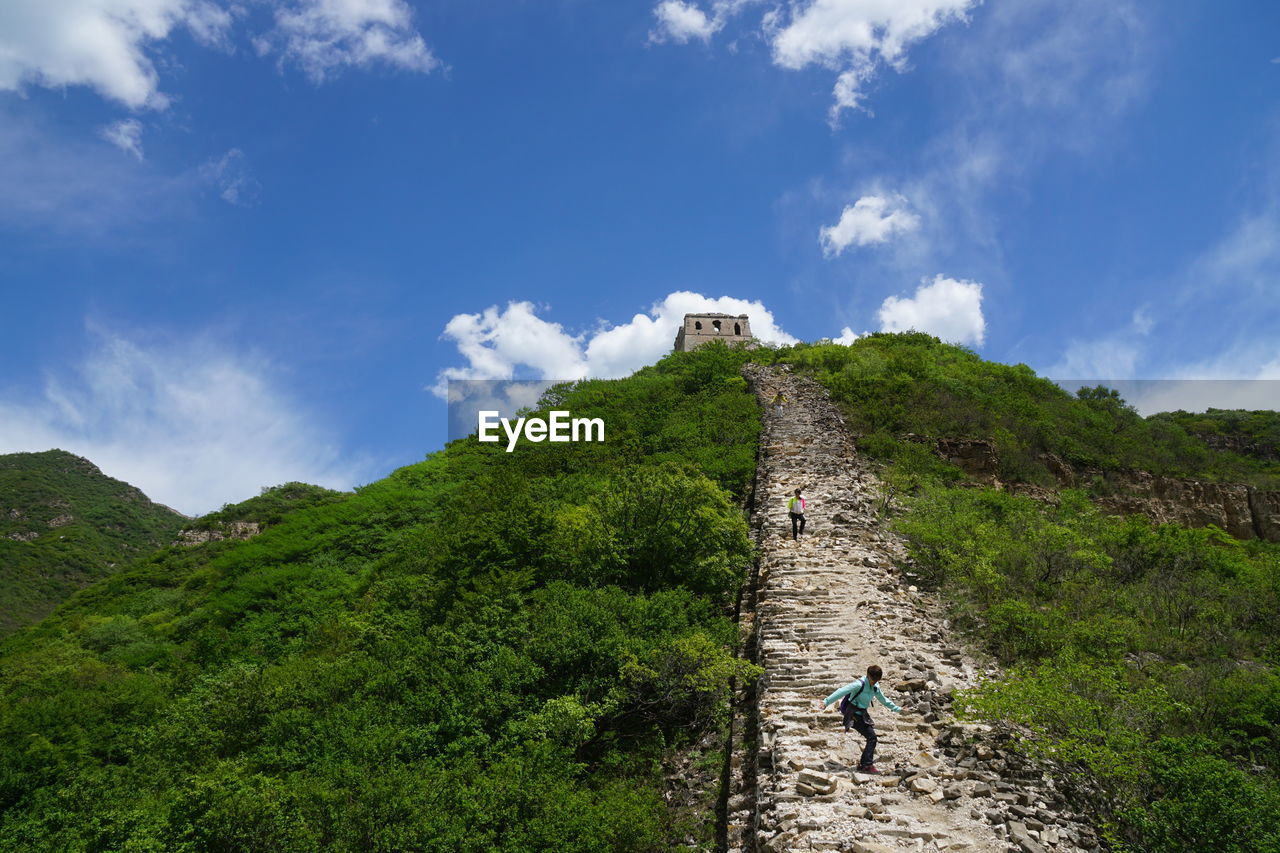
(826, 607)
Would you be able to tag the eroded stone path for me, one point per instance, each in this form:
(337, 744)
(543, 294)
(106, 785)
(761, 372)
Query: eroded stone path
(825, 608)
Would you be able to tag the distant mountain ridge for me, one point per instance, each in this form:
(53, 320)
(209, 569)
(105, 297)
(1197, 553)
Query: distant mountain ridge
(64, 525)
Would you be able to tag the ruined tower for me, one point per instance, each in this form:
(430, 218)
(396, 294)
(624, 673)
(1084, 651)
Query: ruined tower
(698, 329)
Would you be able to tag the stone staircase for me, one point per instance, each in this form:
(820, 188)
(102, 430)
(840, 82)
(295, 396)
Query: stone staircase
(819, 612)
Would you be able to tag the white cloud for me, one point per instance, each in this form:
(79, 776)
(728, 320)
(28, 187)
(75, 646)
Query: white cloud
(230, 174)
(679, 22)
(194, 426)
(872, 219)
(847, 337)
(853, 37)
(496, 342)
(1034, 80)
(125, 134)
(322, 36)
(499, 344)
(857, 36)
(97, 43)
(948, 308)
(620, 350)
(110, 45)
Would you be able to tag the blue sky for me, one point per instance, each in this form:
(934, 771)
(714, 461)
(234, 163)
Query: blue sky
(242, 242)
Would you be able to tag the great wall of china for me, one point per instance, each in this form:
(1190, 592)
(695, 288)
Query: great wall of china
(817, 613)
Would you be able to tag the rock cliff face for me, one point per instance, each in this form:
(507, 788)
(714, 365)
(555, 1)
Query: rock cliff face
(223, 530)
(821, 609)
(1243, 445)
(1243, 511)
(1191, 503)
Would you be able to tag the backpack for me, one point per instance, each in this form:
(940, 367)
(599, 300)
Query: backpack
(848, 700)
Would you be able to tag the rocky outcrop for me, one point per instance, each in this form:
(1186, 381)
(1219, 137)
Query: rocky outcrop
(1243, 511)
(223, 530)
(976, 457)
(1243, 445)
(820, 610)
(1264, 506)
(1191, 503)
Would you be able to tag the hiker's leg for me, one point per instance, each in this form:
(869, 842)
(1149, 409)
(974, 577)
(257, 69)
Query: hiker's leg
(794, 518)
(862, 722)
(802, 524)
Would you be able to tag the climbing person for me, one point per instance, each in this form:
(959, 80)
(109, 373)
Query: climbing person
(778, 401)
(795, 508)
(855, 703)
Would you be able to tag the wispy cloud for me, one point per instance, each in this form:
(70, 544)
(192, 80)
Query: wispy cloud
(322, 37)
(194, 425)
(1118, 354)
(66, 185)
(231, 177)
(125, 135)
(1246, 258)
(63, 184)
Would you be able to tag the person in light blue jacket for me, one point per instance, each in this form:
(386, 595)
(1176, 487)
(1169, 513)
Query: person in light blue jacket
(855, 702)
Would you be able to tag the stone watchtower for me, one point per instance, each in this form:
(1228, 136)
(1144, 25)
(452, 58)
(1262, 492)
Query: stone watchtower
(698, 329)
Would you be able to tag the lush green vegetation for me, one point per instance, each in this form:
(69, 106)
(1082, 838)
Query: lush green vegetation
(1252, 433)
(484, 651)
(64, 525)
(1146, 659)
(269, 507)
(893, 384)
(492, 651)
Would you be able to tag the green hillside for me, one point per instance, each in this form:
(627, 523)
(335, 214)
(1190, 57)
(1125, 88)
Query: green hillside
(63, 525)
(493, 651)
(1143, 658)
(893, 384)
(484, 651)
(1251, 433)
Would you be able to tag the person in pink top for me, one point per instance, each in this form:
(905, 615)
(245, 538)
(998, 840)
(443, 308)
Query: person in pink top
(795, 508)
